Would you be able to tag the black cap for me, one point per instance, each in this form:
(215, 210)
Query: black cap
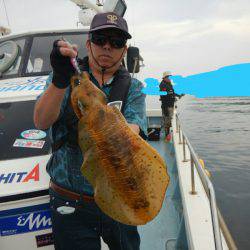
(109, 20)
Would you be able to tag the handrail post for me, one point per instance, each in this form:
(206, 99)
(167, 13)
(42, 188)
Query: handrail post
(192, 176)
(176, 123)
(179, 130)
(184, 149)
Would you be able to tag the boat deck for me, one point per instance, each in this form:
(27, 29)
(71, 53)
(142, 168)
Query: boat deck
(162, 232)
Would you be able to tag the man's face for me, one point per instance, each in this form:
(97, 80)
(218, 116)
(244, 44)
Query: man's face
(166, 79)
(108, 47)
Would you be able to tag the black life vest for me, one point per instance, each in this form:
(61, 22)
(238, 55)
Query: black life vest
(169, 99)
(119, 92)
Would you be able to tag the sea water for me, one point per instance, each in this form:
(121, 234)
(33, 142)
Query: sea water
(219, 130)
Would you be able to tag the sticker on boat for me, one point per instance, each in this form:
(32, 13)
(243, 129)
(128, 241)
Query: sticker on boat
(25, 220)
(24, 143)
(33, 134)
(23, 176)
(44, 240)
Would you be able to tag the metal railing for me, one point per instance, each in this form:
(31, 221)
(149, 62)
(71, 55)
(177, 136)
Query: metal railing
(217, 219)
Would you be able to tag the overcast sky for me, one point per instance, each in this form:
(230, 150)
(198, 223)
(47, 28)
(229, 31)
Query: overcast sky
(184, 36)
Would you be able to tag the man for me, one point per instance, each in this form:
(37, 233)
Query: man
(167, 102)
(77, 222)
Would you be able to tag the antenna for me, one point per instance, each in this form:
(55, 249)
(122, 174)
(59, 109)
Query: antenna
(86, 4)
(6, 13)
(88, 9)
(98, 3)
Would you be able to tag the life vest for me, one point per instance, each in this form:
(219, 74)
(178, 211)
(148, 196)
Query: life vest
(119, 92)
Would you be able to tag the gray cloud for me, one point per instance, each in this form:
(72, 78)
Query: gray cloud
(186, 37)
(190, 37)
(181, 10)
(28, 15)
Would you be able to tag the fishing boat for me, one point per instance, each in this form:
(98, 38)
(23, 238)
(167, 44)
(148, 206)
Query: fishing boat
(189, 218)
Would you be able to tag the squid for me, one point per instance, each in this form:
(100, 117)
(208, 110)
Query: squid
(128, 175)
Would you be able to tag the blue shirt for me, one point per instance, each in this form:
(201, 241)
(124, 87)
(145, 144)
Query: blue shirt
(65, 163)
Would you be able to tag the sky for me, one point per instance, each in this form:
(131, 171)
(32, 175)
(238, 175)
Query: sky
(185, 37)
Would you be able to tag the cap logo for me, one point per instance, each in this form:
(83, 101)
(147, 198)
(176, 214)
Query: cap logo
(112, 19)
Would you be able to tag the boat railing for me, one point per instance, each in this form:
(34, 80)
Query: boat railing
(217, 219)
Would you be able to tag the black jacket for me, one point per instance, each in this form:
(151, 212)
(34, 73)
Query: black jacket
(169, 99)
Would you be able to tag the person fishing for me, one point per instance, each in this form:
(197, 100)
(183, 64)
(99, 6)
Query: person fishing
(77, 222)
(167, 102)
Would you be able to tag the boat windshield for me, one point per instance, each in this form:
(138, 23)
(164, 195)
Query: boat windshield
(18, 136)
(30, 55)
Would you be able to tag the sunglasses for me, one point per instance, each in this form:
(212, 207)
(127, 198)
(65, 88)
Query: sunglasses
(114, 41)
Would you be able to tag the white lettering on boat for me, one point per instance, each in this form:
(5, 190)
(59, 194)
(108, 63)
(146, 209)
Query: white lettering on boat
(34, 221)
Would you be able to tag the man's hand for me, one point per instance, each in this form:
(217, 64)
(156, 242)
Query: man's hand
(60, 59)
